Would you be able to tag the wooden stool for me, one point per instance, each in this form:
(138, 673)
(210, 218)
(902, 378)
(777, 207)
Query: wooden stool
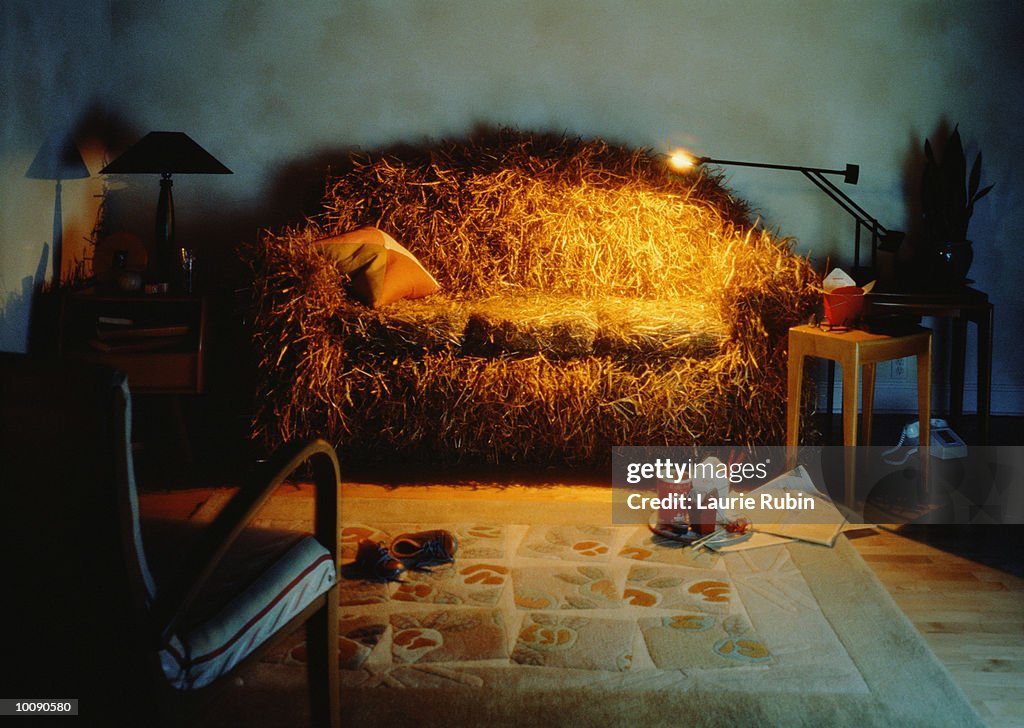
(853, 349)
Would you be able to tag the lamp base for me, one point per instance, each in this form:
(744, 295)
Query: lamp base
(162, 269)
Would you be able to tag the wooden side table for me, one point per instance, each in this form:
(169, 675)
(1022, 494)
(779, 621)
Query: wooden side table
(158, 341)
(853, 349)
(963, 306)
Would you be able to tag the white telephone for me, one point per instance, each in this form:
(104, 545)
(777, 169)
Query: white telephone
(943, 443)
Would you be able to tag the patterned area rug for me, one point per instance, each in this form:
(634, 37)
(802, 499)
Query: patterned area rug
(603, 599)
(535, 622)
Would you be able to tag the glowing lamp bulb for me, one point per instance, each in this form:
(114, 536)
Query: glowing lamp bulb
(681, 160)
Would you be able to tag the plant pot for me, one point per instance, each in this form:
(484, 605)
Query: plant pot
(952, 261)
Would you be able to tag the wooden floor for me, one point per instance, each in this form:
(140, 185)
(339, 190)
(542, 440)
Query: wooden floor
(963, 590)
(971, 613)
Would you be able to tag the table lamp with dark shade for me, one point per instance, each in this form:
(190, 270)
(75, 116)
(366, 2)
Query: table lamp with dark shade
(165, 153)
(57, 159)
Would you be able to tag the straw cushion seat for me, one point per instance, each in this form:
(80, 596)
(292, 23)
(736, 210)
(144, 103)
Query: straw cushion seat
(559, 326)
(585, 298)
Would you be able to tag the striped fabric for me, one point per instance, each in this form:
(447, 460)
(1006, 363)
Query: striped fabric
(147, 575)
(296, 575)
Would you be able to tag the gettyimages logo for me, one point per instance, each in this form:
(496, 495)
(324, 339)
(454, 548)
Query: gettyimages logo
(707, 469)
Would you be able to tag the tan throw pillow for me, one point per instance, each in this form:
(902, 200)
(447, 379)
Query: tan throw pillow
(380, 269)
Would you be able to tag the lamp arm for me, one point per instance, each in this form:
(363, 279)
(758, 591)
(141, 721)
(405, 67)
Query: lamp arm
(850, 173)
(860, 216)
(164, 252)
(844, 200)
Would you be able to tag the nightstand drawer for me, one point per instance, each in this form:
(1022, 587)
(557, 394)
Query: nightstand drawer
(157, 341)
(166, 372)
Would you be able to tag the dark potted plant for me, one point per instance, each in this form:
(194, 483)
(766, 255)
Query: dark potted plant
(948, 195)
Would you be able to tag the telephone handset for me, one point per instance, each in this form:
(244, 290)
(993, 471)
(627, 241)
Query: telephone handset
(911, 434)
(943, 443)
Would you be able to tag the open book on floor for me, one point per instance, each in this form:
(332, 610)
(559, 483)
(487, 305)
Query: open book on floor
(793, 507)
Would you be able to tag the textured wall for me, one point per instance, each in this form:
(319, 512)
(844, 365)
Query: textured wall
(276, 89)
(828, 84)
(53, 71)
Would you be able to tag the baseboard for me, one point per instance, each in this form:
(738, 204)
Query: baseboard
(901, 397)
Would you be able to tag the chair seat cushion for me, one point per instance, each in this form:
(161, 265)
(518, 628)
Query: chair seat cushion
(285, 573)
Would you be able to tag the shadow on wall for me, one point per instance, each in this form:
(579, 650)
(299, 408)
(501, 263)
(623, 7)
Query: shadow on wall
(913, 169)
(61, 180)
(17, 309)
(298, 186)
(909, 267)
(294, 192)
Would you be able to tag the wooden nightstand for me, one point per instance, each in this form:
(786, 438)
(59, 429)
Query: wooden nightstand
(157, 340)
(960, 306)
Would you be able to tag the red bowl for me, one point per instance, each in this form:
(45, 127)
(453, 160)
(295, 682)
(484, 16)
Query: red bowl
(843, 305)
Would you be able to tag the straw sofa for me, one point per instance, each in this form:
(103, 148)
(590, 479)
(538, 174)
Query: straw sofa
(586, 298)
